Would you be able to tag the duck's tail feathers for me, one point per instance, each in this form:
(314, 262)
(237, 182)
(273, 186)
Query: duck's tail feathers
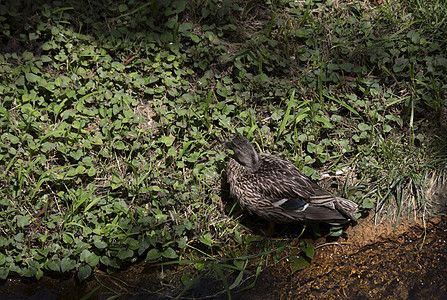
(346, 207)
(318, 213)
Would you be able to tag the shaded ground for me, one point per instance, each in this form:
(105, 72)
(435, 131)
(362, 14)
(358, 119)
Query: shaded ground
(411, 264)
(374, 262)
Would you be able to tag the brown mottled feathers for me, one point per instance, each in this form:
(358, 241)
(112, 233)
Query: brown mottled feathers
(276, 190)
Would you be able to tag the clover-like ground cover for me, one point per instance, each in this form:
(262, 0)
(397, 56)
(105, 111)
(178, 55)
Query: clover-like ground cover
(113, 115)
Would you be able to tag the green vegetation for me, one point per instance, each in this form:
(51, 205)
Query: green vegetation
(113, 115)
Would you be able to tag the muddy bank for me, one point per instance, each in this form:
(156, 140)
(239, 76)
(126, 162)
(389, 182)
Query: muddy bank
(374, 262)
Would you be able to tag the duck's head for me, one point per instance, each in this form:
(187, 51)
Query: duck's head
(244, 152)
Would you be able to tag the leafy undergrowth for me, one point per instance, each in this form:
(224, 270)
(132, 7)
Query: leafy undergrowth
(113, 116)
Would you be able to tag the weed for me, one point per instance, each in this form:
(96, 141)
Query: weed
(112, 123)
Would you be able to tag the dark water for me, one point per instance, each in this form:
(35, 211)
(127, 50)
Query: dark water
(411, 264)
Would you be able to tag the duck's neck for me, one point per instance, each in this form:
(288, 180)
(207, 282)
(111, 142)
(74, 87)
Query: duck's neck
(253, 163)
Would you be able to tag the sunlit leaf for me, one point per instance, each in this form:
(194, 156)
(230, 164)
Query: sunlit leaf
(31, 77)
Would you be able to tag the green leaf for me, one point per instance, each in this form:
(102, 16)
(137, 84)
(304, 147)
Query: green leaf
(47, 46)
(22, 221)
(387, 128)
(153, 254)
(15, 268)
(122, 7)
(414, 36)
(308, 171)
(54, 265)
(326, 122)
(124, 253)
(194, 38)
(12, 138)
(39, 274)
(119, 145)
(308, 249)
(238, 279)
(154, 188)
(277, 115)
(84, 272)
(29, 272)
(261, 79)
(300, 32)
(46, 58)
(77, 154)
(311, 147)
(4, 272)
(188, 281)
(364, 127)
(47, 146)
(91, 258)
(91, 171)
(67, 264)
(167, 140)
(298, 263)
(67, 238)
(368, 203)
(170, 253)
(337, 232)
(87, 160)
(2, 259)
(31, 77)
(100, 244)
(96, 140)
(33, 36)
(176, 7)
(182, 242)
(206, 239)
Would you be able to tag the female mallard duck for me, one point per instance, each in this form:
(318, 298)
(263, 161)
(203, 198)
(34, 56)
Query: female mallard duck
(276, 190)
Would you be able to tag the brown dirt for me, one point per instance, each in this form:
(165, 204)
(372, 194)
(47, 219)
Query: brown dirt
(376, 263)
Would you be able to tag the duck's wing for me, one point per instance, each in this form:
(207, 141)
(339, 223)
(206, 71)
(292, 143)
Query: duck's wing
(281, 179)
(286, 187)
(294, 209)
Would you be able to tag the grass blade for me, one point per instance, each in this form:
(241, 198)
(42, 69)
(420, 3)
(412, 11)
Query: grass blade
(287, 115)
